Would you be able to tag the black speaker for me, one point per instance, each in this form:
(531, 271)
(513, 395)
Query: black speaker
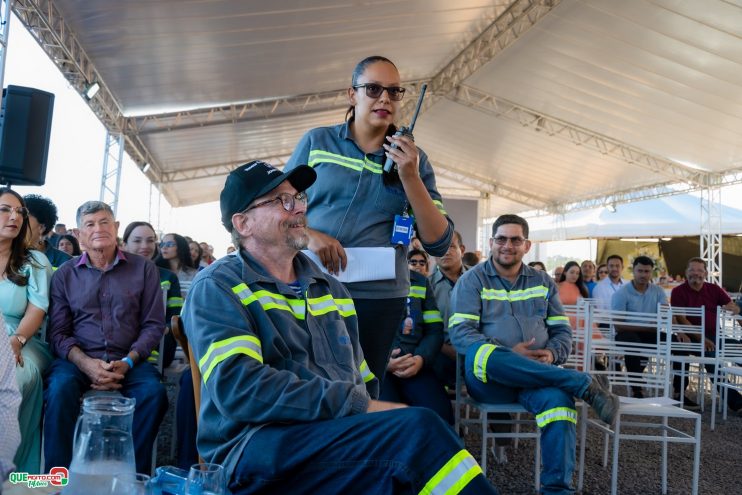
(25, 128)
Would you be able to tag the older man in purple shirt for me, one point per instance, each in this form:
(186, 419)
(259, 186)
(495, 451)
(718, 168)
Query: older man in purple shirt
(105, 317)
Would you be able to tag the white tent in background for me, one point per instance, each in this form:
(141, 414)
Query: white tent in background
(665, 217)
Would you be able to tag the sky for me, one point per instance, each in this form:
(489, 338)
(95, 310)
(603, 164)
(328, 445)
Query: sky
(76, 148)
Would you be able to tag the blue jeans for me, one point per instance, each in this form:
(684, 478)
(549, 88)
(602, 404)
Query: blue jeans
(500, 376)
(64, 386)
(399, 451)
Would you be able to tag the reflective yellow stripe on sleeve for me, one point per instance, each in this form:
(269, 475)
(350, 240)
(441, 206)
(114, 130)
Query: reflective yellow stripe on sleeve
(480, 361)
(439, 205)
(417, 291)
(165, 285)
(556, 414)
(366, 373)
(432, 316)
(174, 302)
(153, 357)
(453, 476)
(222, 349)
(457, 318)
(557, 320)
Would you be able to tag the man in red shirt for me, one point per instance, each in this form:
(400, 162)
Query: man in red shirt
(696, 292)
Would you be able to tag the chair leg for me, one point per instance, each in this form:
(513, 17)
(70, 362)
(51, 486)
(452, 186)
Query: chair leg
(696, 457)
(583, 439)
(606, 444)
(517, 431)
(537, 463)
(616, 442)
(664, 455)
(483, 417)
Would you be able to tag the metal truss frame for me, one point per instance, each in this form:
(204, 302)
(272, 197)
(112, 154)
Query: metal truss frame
(488, 186)
(4, 29)
(506, 29)
(551, 126)
(110, 182)
(711, 238)
(277, 159)
(641, 193)
(247, 112)
(48, 27)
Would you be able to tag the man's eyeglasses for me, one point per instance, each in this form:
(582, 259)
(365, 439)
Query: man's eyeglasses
(502, 240)
(167, 244)
(8, 210)
(288, 201)
(417, 262)
(374, 90)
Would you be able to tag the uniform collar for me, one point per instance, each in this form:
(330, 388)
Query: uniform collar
(306, 271)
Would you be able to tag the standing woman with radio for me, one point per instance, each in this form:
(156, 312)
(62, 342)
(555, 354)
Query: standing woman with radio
(354, 203)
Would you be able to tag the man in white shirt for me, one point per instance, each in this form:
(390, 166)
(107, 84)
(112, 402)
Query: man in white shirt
(604, 290)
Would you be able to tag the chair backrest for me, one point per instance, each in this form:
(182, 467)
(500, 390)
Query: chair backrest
(581, 334)
(657, 353)
(728, 337)
(695, 333)
(180, 336)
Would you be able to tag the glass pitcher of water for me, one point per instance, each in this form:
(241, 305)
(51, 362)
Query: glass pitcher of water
(103, 446)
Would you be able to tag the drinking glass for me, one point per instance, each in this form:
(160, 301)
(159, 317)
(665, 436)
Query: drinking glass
(206, 479)
(130, 484)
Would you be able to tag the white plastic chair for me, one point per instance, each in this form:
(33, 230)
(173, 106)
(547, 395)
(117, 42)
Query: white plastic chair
(484, 421)
(656, 379)
(728, 360)
(690, 354)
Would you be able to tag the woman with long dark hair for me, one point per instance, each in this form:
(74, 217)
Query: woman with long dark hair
(25, 275)
(571, 286)
(69, 244)
(355, 203)
(175, 255)
(140, 238)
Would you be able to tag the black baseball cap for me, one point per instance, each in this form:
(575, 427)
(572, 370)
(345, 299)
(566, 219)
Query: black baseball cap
(254, 179)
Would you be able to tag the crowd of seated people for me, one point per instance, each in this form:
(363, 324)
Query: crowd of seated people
(61, 347)
(53, 335)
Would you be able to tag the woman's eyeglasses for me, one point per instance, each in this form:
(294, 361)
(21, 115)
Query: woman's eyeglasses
(167, 244)
(374, 90)
(417, 262)
(8, 210)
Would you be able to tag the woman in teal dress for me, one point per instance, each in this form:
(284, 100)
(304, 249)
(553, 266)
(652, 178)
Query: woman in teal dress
(24, 299)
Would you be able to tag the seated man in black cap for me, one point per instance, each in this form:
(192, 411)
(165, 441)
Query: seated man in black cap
(286, 391)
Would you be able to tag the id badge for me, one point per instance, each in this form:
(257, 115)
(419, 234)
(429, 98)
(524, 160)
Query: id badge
(402, 231)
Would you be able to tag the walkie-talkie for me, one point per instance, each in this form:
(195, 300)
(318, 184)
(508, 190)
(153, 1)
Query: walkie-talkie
(406, 131)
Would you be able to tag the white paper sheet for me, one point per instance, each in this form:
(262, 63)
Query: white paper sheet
(364, 264)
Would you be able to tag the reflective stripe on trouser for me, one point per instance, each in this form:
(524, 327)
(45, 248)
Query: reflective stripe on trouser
(453, 476)
(407, 450)
(547, 392)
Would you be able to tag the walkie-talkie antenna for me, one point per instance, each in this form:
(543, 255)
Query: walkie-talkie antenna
(389, 163)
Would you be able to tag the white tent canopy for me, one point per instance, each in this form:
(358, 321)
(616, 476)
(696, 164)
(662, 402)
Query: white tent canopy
(663, 217)
(534, 104)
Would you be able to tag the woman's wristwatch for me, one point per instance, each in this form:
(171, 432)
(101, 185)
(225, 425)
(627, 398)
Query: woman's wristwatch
(21, 339)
